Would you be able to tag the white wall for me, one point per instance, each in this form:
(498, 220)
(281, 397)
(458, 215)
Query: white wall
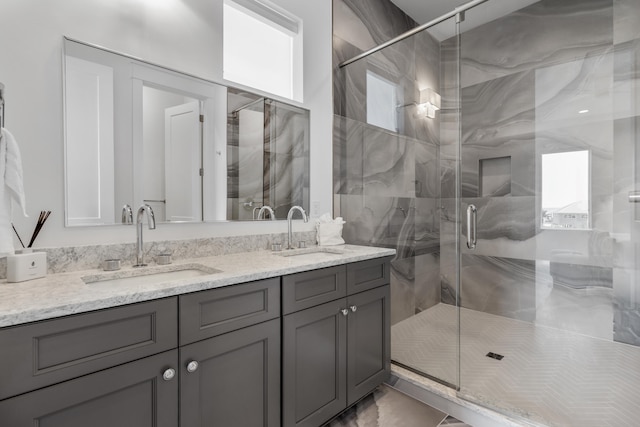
(181, 34)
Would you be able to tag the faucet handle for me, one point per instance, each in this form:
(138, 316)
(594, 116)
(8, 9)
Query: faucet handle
(127, 214)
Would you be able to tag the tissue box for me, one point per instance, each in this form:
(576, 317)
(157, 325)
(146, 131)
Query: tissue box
(21, 267)
(329, 234)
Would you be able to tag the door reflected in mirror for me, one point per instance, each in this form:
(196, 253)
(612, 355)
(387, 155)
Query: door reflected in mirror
(192, 149)
(172, 141)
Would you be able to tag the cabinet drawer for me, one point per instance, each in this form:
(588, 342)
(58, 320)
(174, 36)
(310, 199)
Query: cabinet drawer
(217, 311)
(44, 353)
(133, 394)
(311, 288)
(369, 274)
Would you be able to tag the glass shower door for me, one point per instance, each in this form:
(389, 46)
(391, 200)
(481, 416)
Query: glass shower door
(549, 323)
(425, 337)
(396, 173)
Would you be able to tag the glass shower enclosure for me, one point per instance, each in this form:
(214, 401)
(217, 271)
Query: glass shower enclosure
(511, 133)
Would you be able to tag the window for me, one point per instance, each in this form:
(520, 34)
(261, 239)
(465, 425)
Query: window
(383, 101)
(262, 48)
(565, 190)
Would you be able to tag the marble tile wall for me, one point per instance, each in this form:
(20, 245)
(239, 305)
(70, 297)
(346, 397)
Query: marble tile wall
(289, 153)
(275, 136)
(520, 101)
(386, 184)
(546, 32)
(524, 78)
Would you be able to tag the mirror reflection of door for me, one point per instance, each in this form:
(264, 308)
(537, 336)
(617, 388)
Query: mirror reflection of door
(182, 162)
(172, 146)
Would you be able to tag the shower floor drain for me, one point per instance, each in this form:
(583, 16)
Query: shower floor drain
(495, 355)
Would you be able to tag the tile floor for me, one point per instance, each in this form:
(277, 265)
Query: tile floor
(387, 407)
(551, 376)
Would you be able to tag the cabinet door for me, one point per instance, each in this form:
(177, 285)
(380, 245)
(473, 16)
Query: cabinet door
(236, 381)
(369, 347)
(130, 395)
(314, 364)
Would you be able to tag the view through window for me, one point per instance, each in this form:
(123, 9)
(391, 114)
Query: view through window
(383, 101)
(565, 190)
(262, 48)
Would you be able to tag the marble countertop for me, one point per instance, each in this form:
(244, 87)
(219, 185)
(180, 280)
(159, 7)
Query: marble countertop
(63, 294)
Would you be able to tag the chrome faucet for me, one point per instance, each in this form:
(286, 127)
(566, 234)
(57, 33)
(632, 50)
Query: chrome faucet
(289, 217)
(152, 225)
(127, 214)
(264, 209)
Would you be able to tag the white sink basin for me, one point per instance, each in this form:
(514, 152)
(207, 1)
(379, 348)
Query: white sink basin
(150, 275)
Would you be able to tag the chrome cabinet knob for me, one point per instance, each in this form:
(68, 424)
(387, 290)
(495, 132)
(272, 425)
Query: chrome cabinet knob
(353, 308)
(344, 311)
(168, 374)
(192, 366)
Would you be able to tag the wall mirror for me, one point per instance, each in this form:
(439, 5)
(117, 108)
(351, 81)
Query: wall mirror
(192, 149)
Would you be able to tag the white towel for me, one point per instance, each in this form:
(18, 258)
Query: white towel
(11, 188)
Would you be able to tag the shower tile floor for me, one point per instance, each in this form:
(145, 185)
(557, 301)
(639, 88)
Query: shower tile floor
(550, 376)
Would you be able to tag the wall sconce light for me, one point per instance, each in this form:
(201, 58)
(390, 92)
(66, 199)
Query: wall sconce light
(430, 102)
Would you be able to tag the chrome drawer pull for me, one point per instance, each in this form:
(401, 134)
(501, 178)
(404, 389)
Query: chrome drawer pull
(169, 374)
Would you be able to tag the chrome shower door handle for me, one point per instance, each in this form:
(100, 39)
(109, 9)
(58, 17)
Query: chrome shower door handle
(472, 226)
(634, 196)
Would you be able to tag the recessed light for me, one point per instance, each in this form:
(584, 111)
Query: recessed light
(583, 111)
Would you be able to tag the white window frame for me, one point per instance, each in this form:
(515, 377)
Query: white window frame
(392, 122)
(588, 191)
(280, 20)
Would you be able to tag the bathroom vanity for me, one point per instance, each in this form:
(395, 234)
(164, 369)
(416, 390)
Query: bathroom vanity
(266, 340)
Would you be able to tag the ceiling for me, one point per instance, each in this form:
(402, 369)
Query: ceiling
(423, 11)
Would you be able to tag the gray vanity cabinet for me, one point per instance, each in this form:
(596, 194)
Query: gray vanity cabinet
(40, 354)
(232, 377)
(336, 352)
(208, 358)
(131, 395)
(236, 382)
(103, 368)
(314, 361)
(368, 344)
